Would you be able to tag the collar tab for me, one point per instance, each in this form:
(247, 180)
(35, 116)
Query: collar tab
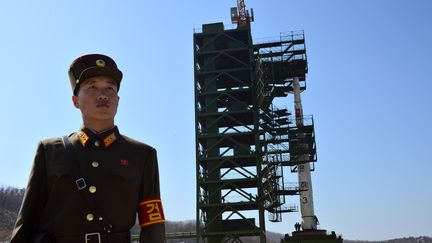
(108, 140)
(108, 137)
(83, 137)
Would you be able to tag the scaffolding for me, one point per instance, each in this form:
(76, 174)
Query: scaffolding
(244, 141)
(228, 165)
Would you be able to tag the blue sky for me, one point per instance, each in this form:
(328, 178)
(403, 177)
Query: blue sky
(369, 88)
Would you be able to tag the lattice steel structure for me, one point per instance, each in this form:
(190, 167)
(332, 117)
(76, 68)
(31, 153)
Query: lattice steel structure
(243, 141)
(227, 132)
(283, 143)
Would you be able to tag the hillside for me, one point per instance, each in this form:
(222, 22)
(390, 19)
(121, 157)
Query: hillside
(10, 201)
(421, 239)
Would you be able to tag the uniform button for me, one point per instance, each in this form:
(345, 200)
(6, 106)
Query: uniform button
(92, 189)
(95, 164)
(89, 217)
(97, 143)
(100, 218)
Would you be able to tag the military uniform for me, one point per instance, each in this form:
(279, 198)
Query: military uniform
(121, 176)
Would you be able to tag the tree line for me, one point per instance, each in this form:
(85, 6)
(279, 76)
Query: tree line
(10, 198)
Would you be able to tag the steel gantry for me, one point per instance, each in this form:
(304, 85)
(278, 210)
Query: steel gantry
(245, 141)
(228, 165)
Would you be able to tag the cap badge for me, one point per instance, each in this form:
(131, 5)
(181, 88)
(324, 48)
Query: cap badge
(100, 63)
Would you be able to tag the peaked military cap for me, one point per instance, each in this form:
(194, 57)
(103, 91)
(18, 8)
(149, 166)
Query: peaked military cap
(91, 65)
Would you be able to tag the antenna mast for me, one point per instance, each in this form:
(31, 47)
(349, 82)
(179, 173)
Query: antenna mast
(240, 15)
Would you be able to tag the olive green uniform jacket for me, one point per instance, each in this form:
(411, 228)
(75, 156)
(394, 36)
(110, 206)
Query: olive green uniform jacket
(121, 174)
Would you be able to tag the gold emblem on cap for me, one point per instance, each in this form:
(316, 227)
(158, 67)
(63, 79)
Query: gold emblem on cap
(100, 63)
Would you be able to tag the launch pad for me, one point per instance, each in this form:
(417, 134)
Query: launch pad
(312, 236)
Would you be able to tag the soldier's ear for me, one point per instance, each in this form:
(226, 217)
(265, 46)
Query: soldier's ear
(75, 101)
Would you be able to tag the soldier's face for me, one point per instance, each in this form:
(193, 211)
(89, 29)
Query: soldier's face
(97, 99)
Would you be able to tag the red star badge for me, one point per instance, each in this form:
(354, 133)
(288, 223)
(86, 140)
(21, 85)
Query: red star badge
(124, 162)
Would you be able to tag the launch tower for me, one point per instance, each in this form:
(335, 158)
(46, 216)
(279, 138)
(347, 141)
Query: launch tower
(244, 141)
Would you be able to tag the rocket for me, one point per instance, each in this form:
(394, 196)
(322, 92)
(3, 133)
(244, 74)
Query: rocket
(309, 220)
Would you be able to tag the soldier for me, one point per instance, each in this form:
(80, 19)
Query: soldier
(92, 189)
(297, 226)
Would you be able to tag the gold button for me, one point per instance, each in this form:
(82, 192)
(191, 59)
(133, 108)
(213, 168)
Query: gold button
(90, 217)
(92, 189)
(97, 143)
(95, 164)
(100, 218)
